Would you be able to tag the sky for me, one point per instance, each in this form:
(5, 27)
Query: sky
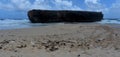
(19, 8)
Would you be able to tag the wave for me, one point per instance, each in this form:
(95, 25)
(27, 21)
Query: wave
(111, 21)
(19, 23)
(11, 22)
(25, 23)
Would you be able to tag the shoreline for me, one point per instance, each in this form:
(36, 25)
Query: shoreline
(51, 24)
(71, 40)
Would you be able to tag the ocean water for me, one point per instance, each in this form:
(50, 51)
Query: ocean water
(25, 23)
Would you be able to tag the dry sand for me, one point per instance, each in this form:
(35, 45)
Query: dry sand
(62, 40)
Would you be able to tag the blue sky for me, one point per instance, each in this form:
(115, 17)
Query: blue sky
(19, 8)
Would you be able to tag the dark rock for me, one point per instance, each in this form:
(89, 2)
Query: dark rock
(71, 46)
(47, 47)
(47, 16)
(78, 55)
(21, 46)
(5, 42)
(0, 47)
(53, 48)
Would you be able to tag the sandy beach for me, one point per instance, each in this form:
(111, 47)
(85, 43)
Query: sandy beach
(62, 40)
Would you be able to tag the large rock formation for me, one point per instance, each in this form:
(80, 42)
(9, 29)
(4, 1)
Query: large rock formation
(46, 16)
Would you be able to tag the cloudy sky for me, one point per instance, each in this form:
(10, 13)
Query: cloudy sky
(19, 8)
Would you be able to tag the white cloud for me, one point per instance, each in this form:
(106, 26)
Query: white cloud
(95, 5)
(20, 4)
(116, 4)
(64, 2)
(65, 5)
(6, 6)
(114, 10)
(39, 4)
(91, 5)
(92, 1)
